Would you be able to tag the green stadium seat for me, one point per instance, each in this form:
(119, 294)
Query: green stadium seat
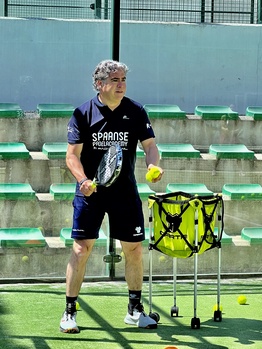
(65, 236)
(215, 112)
(13, 151)
(252, 234)
(55, 150)
(22, 237)
(178, 151)
(226, 239)
(55, 110)
(243, 191)
(161, 111)
(190, 188)
(255, 112)
(63, 191)
(144, 191)
(16, 191)
(231, 151)
(10, 110)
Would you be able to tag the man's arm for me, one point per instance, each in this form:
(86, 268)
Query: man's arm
(75, 166)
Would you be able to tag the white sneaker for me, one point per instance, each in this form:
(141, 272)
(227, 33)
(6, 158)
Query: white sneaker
(140, 318)
(68, 323)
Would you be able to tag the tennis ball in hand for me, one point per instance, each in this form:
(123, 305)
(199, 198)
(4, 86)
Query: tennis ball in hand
(153, 173)
(242, 299)
(25, 259)
(77, 306)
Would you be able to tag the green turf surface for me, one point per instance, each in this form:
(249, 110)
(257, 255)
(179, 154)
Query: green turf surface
(30, 316)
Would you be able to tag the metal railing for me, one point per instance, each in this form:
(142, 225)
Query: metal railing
(191, 11)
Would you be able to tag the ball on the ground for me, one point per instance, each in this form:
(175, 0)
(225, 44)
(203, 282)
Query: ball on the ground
(215, 307)
(162, 259)
(242, 299)
(170, 347)
(25, 259)
(77, 306)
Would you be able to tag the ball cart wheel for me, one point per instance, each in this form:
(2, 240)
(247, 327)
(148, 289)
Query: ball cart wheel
(174, 311)
(217, 316)
(155, 316)
(195, 323)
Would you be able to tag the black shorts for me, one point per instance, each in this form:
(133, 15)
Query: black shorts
(125, 214)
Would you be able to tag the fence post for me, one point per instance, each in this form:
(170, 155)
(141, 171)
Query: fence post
(203, 10)
(259, 11)
(3, 4)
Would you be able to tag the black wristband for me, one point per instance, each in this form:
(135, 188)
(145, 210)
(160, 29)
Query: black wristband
(82, 181)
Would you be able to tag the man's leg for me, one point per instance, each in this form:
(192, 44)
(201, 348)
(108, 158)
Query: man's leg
(74, 277)
(134, 278)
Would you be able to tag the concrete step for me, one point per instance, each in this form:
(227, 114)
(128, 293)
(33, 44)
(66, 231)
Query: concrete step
(192, 130)
(40, 172)
(50, 262)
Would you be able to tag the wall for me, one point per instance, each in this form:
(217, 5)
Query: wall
(51, 61)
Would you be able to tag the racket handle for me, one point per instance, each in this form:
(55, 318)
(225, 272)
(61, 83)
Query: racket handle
(153, 173)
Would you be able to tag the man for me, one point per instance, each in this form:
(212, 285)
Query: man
(107, 119)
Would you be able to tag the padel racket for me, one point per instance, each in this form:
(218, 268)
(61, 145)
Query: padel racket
(109, 168)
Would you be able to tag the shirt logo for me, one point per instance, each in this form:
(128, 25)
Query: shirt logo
(125, 117)
(148, 125)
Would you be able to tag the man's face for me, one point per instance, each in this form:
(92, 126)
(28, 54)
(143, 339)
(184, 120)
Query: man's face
(114, 87)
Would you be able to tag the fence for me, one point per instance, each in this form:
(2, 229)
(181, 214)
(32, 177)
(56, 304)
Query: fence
(192, 11)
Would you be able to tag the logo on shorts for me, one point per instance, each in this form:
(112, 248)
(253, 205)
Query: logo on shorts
(138, 231)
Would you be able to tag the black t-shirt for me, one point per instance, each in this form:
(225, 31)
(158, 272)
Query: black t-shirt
(97, 127)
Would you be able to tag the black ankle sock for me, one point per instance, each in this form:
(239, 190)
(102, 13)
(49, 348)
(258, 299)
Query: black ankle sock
(134, 298)
(71, 305)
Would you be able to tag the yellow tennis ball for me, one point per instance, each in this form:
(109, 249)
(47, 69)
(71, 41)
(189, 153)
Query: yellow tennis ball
(215, 307)
(25, 259)
(242, 299)
(77, 306)
(153, 173)
(162, 259)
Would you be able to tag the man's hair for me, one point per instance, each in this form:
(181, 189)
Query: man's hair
(103, 70)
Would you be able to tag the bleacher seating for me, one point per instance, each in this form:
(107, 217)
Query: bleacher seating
(43, 196)
(55, 150)
(21, 237)
(55, 110)
(254, 112)
(178, 151)
(10, 110)
(16, 191)
(243, 191)
(162, 111)
(252, 234)
(191, 188)
(215, 112)
(231, 151)
(13, 151)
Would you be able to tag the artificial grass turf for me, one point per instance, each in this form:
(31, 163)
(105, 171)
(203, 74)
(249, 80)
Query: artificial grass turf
(30, 316)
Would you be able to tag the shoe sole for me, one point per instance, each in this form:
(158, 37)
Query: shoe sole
(150, 327)
(69, 330)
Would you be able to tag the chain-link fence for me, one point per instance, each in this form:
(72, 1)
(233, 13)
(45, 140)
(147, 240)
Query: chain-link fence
(192, 11)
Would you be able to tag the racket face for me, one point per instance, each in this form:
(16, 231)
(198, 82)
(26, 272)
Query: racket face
(110, 166)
